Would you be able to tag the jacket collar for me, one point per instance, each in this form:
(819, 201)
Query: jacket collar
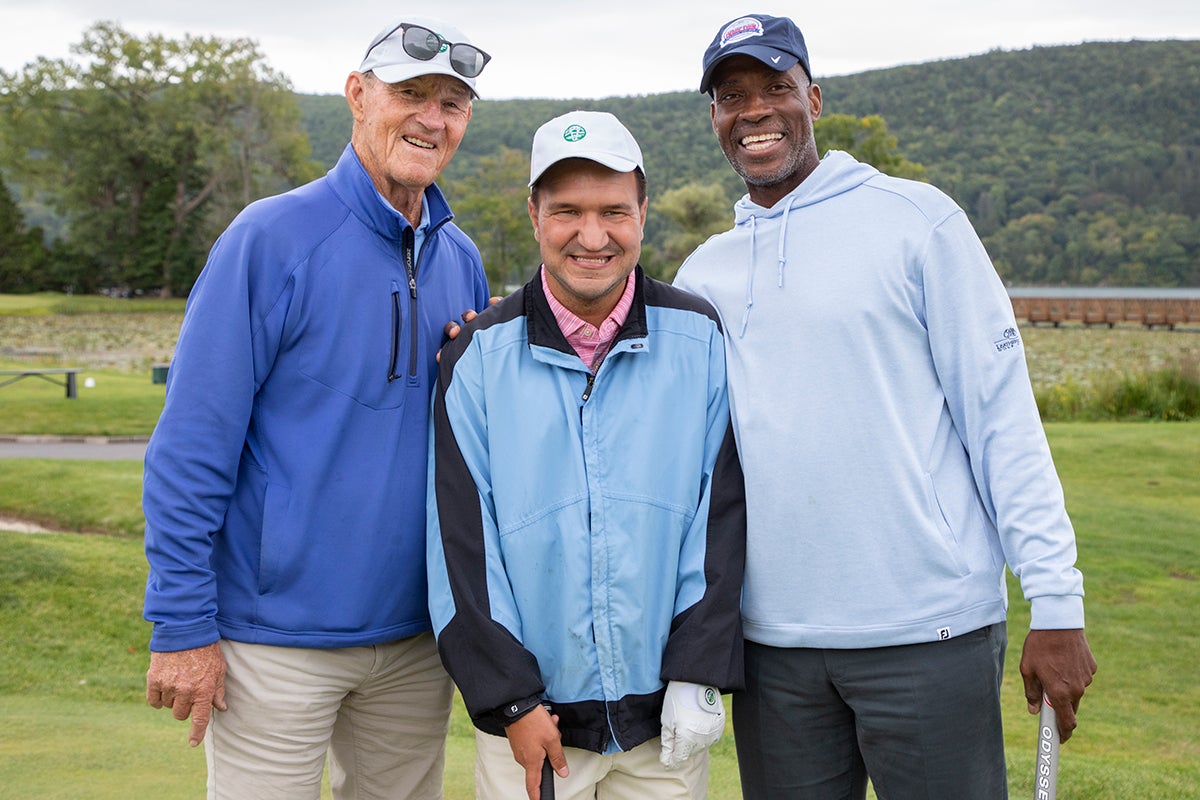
(543, 331)
(351, 183)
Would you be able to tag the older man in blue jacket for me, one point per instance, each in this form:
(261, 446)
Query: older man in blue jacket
(285, 482)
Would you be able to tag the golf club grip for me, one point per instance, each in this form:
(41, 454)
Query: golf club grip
(1045, 781)
(547, 780)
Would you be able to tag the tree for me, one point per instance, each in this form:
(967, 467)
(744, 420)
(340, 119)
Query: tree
(696, 211)
(867, 139)
(1024, 251)
(491, 204)
(23, 254)
(1012, 137)
(148, 145)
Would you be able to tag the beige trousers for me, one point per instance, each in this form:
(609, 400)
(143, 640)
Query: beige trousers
(636, 774)
(381, 713)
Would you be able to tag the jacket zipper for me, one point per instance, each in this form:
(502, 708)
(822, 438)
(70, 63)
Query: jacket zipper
(407, 249)
(410, 268)
(587, 392)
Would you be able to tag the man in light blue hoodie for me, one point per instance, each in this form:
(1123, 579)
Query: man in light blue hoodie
(893, 456)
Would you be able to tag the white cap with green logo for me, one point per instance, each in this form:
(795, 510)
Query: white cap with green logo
(595, 135)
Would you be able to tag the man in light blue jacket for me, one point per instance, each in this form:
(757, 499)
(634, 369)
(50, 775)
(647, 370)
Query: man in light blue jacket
(894, 460)
(586, 515)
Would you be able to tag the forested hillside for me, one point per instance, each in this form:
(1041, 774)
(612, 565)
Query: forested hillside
(1078, 164)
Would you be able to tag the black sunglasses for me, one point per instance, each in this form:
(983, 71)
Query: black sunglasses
(423, 44)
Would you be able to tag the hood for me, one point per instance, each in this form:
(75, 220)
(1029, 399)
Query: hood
(838, 172)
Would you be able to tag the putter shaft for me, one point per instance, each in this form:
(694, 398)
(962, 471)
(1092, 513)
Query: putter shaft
(1045, 779)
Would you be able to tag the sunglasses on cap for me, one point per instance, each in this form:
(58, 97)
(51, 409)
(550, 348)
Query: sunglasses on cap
(423, 44)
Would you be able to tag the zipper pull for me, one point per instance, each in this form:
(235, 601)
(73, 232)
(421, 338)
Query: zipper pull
(408, 246)
(587, 392)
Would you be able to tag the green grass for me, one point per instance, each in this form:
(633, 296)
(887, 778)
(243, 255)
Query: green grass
(1166, 393)
(75, 723)
(56, 303)
(117, 404)
(1133, 491)
(84, 496)
(53, 748)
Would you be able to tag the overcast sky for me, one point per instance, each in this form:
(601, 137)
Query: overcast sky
(590, 50)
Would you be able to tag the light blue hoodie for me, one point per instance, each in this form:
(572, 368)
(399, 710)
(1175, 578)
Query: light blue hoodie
(893, 454)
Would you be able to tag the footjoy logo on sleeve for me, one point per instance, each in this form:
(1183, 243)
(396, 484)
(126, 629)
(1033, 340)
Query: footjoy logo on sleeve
(740, 30)
(1008, 340)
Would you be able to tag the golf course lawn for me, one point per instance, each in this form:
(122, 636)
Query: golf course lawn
(75, 722)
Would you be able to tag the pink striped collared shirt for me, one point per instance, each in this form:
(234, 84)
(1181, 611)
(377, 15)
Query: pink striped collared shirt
(589, 343)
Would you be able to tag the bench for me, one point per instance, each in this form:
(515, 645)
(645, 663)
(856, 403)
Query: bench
(68, 374)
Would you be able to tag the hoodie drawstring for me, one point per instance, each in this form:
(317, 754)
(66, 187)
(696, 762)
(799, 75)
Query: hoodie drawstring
(750, 276)
(783, 239)
(781, 255)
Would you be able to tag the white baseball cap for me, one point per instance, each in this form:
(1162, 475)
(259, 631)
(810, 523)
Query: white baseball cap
(595, 135)
(414, 46)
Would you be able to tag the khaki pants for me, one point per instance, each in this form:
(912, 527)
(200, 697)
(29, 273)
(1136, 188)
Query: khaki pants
(633, 775)
(381, 713)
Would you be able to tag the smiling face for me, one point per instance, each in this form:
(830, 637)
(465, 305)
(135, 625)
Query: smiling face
(588, 221)
(406, 133)
(763, 120)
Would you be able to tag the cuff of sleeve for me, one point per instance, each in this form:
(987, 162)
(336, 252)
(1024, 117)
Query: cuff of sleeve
(1062, 612)
(509, 713)
(169, 639)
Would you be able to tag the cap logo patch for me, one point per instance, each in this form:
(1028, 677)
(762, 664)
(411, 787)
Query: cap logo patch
(741, 29)
(574, 133)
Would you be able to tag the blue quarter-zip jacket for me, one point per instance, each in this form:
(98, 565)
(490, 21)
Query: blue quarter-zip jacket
(285, 482)
(586, 533)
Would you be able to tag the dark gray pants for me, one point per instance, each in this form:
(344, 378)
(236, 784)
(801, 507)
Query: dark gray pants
(923, 721)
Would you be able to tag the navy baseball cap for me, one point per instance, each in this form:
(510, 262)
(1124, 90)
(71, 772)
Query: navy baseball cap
(775, 41)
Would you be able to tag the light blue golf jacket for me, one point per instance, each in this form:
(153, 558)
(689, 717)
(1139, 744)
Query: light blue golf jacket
(586, 532)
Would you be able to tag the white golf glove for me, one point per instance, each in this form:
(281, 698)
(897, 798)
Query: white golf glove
(693, 717)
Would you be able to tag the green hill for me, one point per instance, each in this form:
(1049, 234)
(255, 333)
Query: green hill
(1078, 164)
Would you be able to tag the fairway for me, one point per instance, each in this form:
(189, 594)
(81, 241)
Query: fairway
(71, 672)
